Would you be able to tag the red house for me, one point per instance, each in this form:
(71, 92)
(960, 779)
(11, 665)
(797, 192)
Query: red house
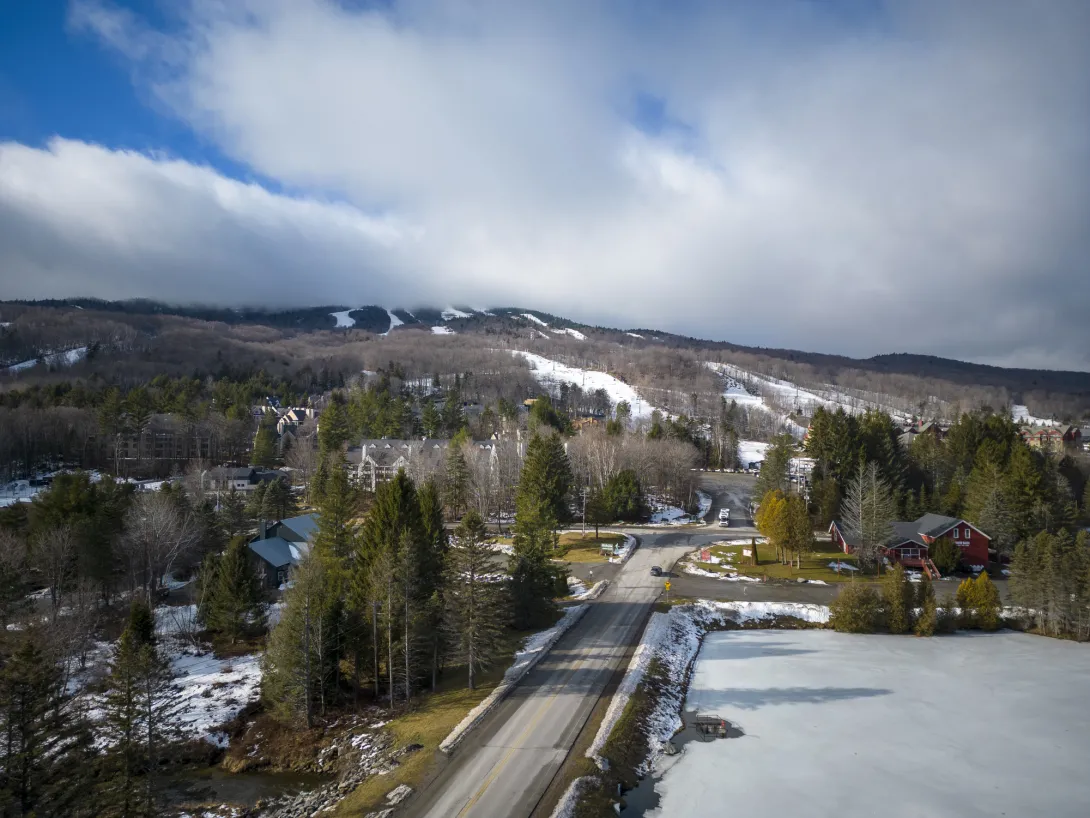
(911, 541)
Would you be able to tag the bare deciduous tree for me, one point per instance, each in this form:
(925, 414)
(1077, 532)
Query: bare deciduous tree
(54, 552)
(157, 533)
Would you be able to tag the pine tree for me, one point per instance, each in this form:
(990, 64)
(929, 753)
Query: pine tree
(476, 601)
(337, 505)
(986, 602)
(140, 713)
(299, 665)
(456, 476)
(430, 419)
(264, 454)
(430, 566)
(532, 575)
(775, 467)
(333, 427)
(232, 513)
(546, 479)
(141, 622)
(255, 503)
(278, 502)
(45, 752)
(622, 496)
(233, 600)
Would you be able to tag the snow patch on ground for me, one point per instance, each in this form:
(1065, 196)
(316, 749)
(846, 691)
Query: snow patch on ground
(533, 649)
(663, 514)
(451, 313)
(635, 335)
(442, 331)
(344, 321)
(534, 318)
(548, 371)
(394, 322)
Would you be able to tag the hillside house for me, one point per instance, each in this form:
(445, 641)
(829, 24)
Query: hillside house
(910, 542)
(279, 546)
(243, 478)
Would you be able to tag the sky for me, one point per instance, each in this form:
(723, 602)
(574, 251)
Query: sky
(846, 176)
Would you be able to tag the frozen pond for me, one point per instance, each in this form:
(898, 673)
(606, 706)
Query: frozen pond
(839, 725)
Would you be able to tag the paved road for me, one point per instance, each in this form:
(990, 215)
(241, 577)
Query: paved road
(504, 767)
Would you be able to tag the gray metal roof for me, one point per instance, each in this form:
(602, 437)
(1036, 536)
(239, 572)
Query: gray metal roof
(276, 551)
(934, 524)
(304, 527)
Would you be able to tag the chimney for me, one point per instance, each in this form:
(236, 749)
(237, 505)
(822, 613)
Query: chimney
(264, 530)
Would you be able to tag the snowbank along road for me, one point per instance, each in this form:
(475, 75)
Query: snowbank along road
(506, 766)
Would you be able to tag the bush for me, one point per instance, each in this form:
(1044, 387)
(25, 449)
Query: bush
(948, 618)
(945, 554)
(927, 616)
(985, 602)
(900, 600)
(857, 609)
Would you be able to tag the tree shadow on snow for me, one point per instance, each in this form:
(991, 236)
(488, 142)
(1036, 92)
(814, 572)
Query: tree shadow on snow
(753, 698)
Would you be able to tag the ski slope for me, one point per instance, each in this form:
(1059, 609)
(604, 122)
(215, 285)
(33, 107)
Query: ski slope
(547, 371)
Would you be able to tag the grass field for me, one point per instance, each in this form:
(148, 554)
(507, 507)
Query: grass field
(815, 565)
(429, 721)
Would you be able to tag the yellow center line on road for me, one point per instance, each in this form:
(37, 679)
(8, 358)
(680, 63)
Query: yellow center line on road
(498, 768)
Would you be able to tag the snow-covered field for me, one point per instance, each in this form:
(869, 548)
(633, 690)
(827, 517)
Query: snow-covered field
(751, 451)
(442, 331)
(548, 371)
(574, 333)
(842, 726)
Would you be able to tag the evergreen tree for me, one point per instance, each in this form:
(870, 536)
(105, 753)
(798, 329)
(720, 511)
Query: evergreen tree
(776, 466)
(476, 601)
(279, 502)
(622, 496)
(264, 454)
(546, 479)
(255, 503)
(946, 555)
(337, 505)
(300, 661)
(45, 751)
(333, 427)
(430, 419)
(453, 416)
(856, 609)
(456, 477)
(232, 513)
(140, 712)
(234, 600)
(532, 575)
(141, 622)
(429, 564)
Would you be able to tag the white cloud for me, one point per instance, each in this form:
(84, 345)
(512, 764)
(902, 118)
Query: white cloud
(910, 179)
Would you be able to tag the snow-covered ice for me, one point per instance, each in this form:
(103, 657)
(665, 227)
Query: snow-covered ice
(549, 371)
(442, 331)
(343, 320)
(843, 726)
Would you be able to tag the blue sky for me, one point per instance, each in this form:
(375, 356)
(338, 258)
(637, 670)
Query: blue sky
(738, 170)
